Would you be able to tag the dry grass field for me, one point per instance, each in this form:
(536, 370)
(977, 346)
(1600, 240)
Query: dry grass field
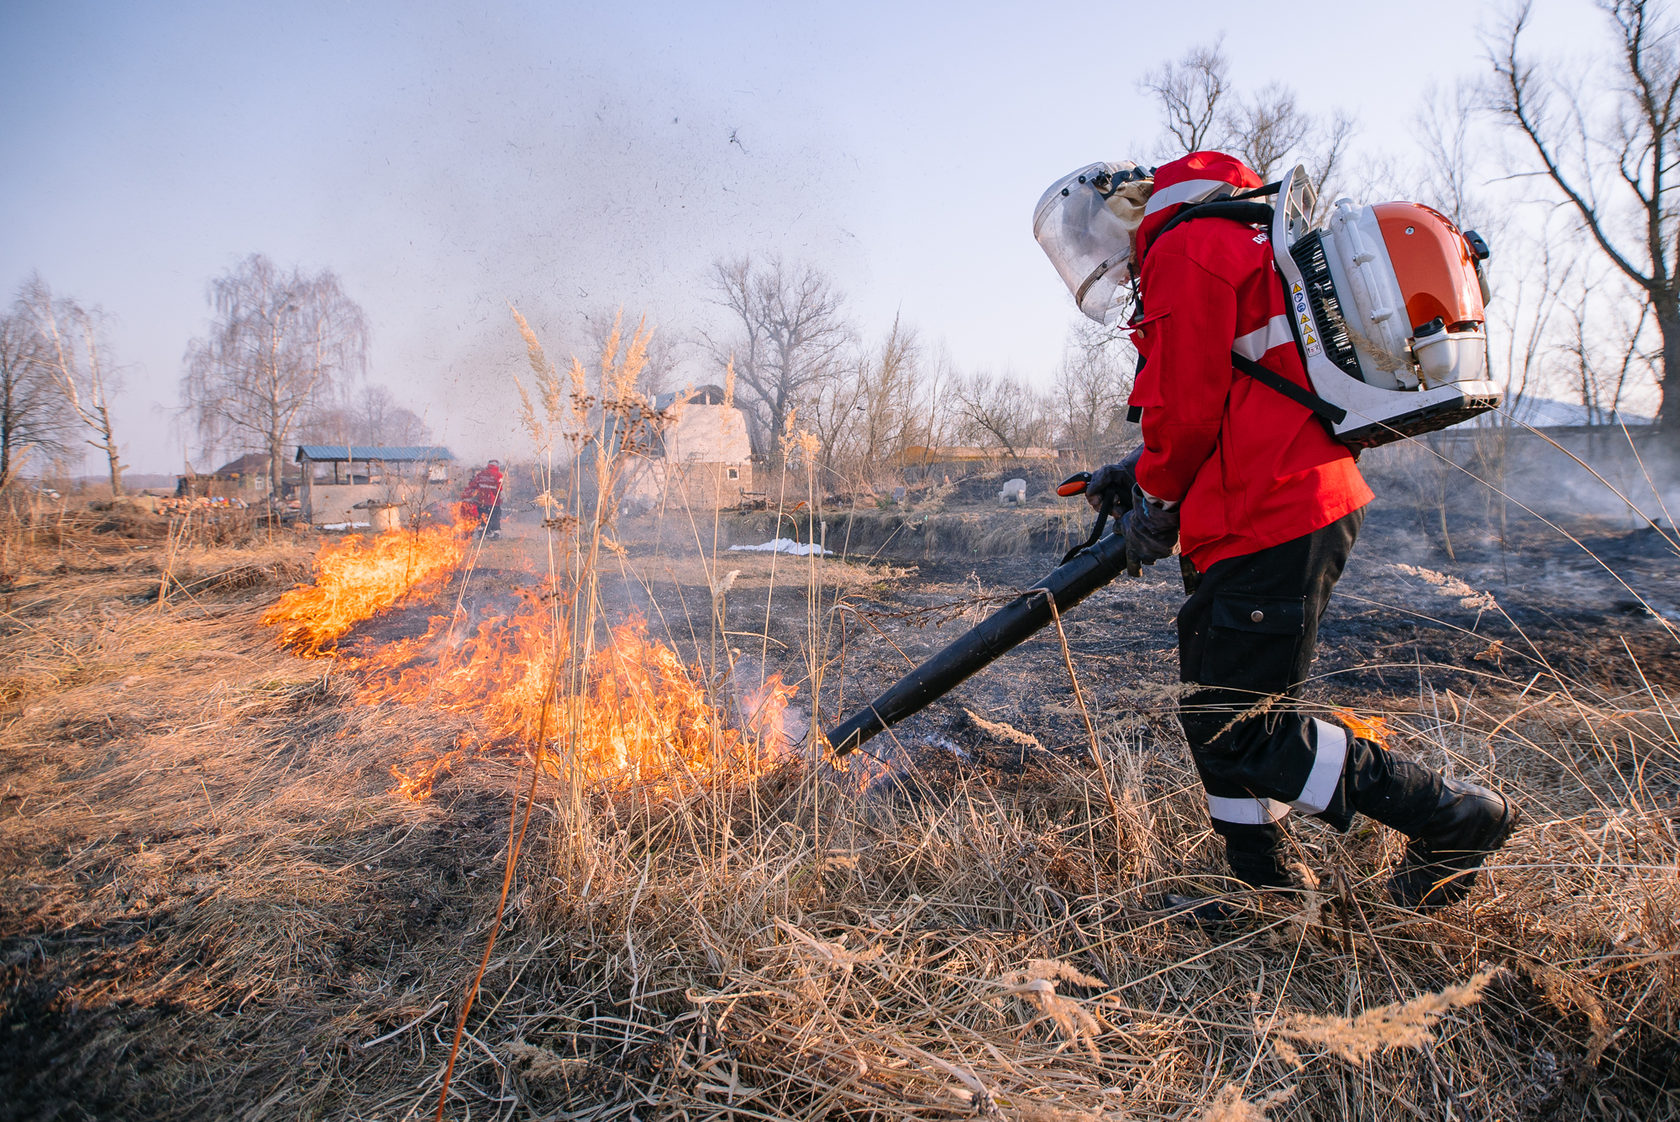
(244, 883)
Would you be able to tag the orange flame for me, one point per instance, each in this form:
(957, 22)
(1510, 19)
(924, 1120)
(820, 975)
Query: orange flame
(416, 782)
(1374, 729)
(632, 713)
(358, 578)
(628, 712)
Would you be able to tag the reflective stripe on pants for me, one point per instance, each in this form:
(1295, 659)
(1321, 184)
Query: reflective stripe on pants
(1245, 812)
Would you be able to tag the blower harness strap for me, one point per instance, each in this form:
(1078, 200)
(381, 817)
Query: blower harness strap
(1331, 413)
(1239, 209)
(1328, 412)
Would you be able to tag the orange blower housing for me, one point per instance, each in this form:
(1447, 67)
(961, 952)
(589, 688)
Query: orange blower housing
(1389, 305)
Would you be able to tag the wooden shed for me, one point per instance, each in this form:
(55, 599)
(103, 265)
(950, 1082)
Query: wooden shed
(342, 482)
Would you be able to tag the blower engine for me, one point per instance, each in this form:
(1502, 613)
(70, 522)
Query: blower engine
(1388, 304)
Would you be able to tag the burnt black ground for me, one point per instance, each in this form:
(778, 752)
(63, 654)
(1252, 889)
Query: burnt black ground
(1406, 620)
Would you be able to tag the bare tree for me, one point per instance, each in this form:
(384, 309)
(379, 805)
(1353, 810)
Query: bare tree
(1592, 334)
(383, 421)
(998, 411)
(34, 416)
(893, 401)
(1617, 170)
(71, 348)
(279, 344)
(787, 334)
(371, 415)
(1267, 130)
(1444, 128)
(1090, 392)
(1190, 91)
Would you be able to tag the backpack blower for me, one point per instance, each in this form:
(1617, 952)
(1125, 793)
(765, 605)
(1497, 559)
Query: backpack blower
(1388, 308)
(1388, 305)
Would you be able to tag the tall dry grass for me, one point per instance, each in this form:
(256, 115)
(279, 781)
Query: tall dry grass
(927, 937)
(833, 944)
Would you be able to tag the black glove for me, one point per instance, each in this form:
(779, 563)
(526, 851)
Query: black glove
(1150, 529)
(1114, 481)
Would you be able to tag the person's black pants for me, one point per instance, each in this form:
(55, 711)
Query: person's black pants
(1247, 637)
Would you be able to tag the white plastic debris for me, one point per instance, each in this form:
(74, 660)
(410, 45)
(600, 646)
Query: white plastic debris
(786, 545)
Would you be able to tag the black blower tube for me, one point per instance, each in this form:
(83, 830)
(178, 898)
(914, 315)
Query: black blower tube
(990, 639)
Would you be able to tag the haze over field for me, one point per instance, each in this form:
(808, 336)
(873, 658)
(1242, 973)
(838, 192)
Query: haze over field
(571, 159)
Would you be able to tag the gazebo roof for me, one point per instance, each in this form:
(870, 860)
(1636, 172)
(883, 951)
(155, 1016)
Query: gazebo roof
(385, 454)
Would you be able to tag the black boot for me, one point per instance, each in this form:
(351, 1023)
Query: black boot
(1257, 853)
(1207, 912)
(1468, 824)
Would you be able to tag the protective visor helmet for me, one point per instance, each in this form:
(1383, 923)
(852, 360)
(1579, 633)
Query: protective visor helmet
(1086, 223)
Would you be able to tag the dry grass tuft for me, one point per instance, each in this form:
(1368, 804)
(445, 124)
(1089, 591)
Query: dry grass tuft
(1404, 1024)
(1230, 1106)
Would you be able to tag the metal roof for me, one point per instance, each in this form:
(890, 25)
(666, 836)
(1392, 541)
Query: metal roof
(394, 454)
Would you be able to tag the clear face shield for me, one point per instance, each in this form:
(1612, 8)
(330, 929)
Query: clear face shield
(1086, 224)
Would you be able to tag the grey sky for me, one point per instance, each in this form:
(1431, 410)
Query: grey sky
(570, 158)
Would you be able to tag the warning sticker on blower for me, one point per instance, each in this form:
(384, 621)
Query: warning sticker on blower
(1303, 320)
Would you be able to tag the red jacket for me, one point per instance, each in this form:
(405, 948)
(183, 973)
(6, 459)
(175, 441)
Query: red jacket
(1252, 468)
(484, 487)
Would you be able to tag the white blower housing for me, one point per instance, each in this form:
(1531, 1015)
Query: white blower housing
(1389, 308)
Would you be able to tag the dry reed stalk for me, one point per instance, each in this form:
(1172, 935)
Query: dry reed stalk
(1230, 1105)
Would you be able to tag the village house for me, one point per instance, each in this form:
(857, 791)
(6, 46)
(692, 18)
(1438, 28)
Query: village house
(701, 457)
(241, 480)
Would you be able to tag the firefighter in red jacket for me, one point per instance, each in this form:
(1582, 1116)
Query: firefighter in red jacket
(484, 492)
(1264, 505)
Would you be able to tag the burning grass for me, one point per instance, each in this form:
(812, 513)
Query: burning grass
(217, 906)
(357, 578)
(637, 716)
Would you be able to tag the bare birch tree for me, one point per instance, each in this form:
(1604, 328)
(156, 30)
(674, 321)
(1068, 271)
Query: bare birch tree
(71, 348)
(34, 417)
(1615, 167)
(279, 344)
(787, 333)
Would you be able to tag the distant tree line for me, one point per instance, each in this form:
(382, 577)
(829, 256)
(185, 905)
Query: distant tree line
(284, 361)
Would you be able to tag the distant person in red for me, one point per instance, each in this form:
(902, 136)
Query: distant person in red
(484, 493)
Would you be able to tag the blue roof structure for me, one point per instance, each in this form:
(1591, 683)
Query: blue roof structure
(393, 454)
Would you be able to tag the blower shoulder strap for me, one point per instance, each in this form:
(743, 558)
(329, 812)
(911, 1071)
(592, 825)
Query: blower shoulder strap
(1255, 214)
(1330, 413)
(1248, 213)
